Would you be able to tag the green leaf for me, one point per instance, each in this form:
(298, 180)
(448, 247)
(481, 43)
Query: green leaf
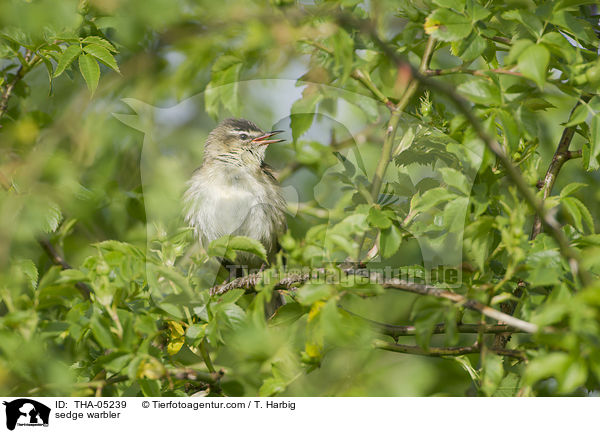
(389, 241)
(100, 330)
(480, 91)
(531, 22)
(573, 210)
(103, 55)
(516, 50)
(573, 377)
(468, 49)
(67, 58)
(378, 219)
(447, 25)
(303, 113)
(90, 71)
(545, 268)
(492, 373)
(533, 63)
(150, 388)
(223, 89)
(29, 270)
(578, 116)
(96, 40)
(287, 314)
(195, 332)
(457, 5)
(430, 198)
(226, 247)
(343, 53)
(553, 364)
(52, 218)
(594, 148)
(478, 239)
(571, 188)
(456, 179)
(311, 293)
(579, 210)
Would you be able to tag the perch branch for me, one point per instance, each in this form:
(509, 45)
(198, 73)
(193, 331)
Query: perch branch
(445, 351)
(396, 331)
(476, 72)
(290, 282)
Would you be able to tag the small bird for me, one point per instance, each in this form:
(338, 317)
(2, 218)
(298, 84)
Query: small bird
(234, 192)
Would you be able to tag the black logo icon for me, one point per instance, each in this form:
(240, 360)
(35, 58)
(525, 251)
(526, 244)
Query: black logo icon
(26, 412)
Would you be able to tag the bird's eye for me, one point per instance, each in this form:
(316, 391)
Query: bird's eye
(244, 136)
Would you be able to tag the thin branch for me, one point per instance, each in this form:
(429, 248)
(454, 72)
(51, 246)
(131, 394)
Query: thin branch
(390, 133)
(561, 155)
(476, 72)
(57, 259)
(291, 281)
(25, 67)
(471, 304)
(396, 331)
(189, 374)
(358, 74)
(445, 351)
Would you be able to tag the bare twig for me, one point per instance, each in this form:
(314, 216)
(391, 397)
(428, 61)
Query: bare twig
(445, 351)
(476, 72)
(57, 259)
(291, 281)
(396, 331)
(26, 64)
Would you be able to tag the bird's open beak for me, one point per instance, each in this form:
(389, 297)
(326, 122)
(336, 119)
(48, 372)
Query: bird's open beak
(262, 140)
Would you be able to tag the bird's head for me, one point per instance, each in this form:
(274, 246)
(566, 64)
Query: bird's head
(238, 140)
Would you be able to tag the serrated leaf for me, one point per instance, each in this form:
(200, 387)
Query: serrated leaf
(389, 241)
(90, 71)
(103, 55)
(571, 207)
(66, 58)
(571, 188)
(545, 268)
(533, 63)
(303, 113)
(478, 239)
(447, 25)
(430, 198)
(53, 217)
(378, 219)
(96, 40)
(585, 213)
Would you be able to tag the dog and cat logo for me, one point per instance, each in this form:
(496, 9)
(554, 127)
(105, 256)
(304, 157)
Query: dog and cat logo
(26, 412)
